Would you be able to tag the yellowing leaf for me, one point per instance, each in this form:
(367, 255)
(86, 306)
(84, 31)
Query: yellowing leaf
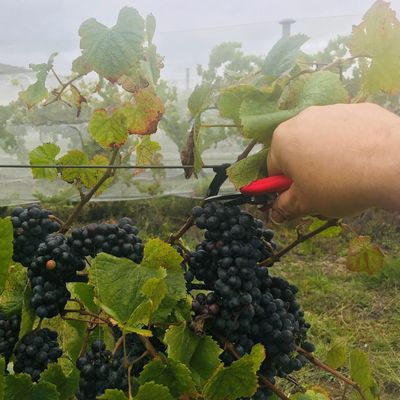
(6, 249)
(108, 130)
(146, 151)
(378, 37)
(142, 117)
(337, 354)
(364, 256)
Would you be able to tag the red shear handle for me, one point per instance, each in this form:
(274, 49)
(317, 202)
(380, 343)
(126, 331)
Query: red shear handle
(275, 183)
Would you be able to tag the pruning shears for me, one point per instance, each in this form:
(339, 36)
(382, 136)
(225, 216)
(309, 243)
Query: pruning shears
(260, 192)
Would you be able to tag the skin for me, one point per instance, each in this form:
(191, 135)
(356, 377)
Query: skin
(343, 159)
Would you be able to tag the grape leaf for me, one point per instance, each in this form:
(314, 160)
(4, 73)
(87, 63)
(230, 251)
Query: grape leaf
(172, 374)
(81, 65)
(158, 253)
(238, 380)
(152, 65)
(200, 99)
(378, 37)
(143, 116)
(199, 353)
(230, 99)
(260, 118)
(309, 395)
(360, 372)
(282, 57)
(364, 256)
(151, 390)
(118, 283)
(27, 313)
(113, 394)
(74, 336)
(108, 130)
(85, 293)
(111, 51)
(67, 383)
(21, 387)
(337, 354)
(44, 155)
(88, 177)
(249, 169)
(150, 27)
(146, 151)
(36, 92)
(6, 249)
(12, 298)
(331, 232)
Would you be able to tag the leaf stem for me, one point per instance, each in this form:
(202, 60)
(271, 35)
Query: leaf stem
(300, 239)
(149, 347)
(63, 87)
(87, 197)
(330, 370)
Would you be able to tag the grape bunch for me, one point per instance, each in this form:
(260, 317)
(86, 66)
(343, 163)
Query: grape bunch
(31, 226)
(35, 351)
(9, 332)
(245, 304)
(119, 240)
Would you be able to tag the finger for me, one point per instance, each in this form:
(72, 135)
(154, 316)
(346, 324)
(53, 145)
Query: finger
(272, 164)
(287, 206)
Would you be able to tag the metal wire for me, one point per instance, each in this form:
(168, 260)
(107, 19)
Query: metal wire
(110, 166)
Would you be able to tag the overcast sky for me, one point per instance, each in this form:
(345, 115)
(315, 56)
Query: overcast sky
(32, 29)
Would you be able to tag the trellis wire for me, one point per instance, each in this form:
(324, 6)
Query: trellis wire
(111, 166)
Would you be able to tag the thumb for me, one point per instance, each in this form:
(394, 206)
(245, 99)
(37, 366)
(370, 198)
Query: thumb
(287, 205)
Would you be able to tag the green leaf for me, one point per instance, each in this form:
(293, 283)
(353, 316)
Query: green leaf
(364, 256)
(200, 99)
(150, 27)
(6, 249)
(378, 37)
(337, 354)
(113, 394)
(142, 117)
(112, 51)
(282, 57)
(67, 384)
(146, 151)
(152, 391)
(249, 169)
(21, 387)
(27, 313)
(172, 374)
(260, 118)
(230, 100)
(158, 253)
(360, 372)
(118, 283)
(309, 395)
(44, 155)
(108, 130)
(199, 353)
(74, 336)
(12, 298)
(36, 92)
(85, 293)
(332, 232)
(238, 380)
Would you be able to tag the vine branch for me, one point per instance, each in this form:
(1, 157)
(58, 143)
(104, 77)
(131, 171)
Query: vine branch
(86, 198)
(63, 87)
(330, 370)
(300, 239)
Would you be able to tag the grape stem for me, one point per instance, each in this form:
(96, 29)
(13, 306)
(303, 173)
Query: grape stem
(190, 221)
(231, 348)
(330, 370)
(300, 239)
(149, 347)
(87, 197)
(118, 344)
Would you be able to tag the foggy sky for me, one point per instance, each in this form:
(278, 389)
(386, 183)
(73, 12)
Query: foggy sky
(30, 30)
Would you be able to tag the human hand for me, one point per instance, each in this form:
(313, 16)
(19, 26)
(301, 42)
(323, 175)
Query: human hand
(342, 158)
